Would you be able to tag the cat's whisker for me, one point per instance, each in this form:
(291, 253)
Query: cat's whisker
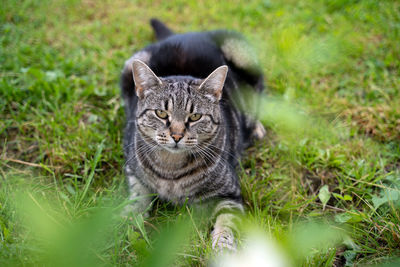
(141, 149)
(129, 145)
(197, 161)
(222, 150)
(210, 154)
(204, 158)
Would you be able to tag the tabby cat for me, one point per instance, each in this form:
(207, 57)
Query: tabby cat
(186, 125)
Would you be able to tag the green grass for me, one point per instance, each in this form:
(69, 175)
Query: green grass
(327, 173)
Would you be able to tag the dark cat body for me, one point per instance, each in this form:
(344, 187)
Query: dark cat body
(196, 54)
(206, 167)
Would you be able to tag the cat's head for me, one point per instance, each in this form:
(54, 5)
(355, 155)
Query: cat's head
(178, 112)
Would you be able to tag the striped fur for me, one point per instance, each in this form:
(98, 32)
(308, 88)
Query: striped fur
(173, 76)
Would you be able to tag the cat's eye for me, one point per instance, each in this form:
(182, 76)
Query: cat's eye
(161, 114)
(195, 117)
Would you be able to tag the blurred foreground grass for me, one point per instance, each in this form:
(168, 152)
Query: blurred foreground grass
(329, 166)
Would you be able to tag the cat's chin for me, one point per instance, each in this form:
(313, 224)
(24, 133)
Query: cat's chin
(177, 149)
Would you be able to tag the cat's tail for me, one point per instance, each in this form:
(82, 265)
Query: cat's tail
(161, 30)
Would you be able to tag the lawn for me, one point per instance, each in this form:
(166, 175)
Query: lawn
(324, 183)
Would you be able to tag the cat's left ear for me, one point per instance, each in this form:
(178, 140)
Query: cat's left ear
(213, 84)
(143, 77)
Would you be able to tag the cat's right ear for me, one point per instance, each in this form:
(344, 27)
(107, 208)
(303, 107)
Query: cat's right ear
(143, 77)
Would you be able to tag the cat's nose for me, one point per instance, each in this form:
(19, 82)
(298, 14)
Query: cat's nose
(177, 137)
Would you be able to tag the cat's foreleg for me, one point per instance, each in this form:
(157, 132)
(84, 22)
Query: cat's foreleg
(140, 196)
(227, 214)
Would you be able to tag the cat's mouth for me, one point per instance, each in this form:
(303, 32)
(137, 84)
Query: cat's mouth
(175, 148)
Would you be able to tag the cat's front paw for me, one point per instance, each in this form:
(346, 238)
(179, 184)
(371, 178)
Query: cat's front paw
(259, 131)
(135, 209)
(223, 239)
